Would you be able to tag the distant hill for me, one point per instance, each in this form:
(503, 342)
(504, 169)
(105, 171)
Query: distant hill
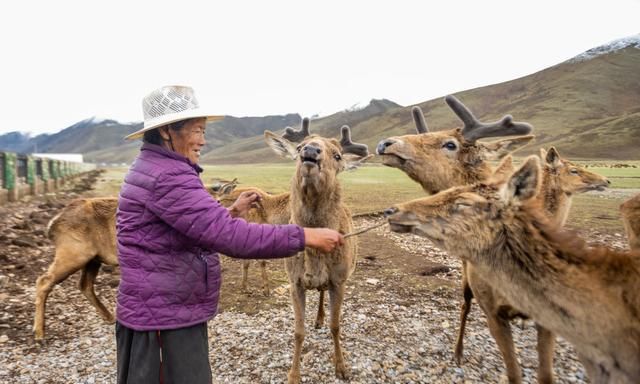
(589, 107)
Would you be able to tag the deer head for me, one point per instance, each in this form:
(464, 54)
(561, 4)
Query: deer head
(319, 159)
(572, 178)
(440, 160)
(223, 188)
(470, 215)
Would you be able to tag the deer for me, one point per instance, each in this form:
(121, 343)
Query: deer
(561, 180)
(84, 236)
(272, 209)
(316, 201)
(586, 294)
(630, 212)
(443, 159)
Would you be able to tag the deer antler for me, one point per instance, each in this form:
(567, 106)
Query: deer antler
(418, 119)
(474, 129)
(297, 136)
(349, 146)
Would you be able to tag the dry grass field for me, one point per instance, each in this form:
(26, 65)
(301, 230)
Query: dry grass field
(374, 187)
(400, 316)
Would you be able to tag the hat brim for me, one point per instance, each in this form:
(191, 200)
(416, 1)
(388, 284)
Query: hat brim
(172, 118)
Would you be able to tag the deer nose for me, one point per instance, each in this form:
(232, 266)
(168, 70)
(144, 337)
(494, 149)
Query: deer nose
(383, 144)
(608, 182)
(390, 211)
(311, 151)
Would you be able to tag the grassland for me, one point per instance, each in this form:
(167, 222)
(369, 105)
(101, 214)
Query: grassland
(374, 187)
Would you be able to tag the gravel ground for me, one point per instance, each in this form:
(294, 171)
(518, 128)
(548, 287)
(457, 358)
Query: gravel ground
(399, 322)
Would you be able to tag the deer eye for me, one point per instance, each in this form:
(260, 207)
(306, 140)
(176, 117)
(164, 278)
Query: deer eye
(573, 171)
(337, 157)
(450, 145)
(298, 147)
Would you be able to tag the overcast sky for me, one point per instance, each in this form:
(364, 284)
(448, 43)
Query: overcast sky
(65, 61)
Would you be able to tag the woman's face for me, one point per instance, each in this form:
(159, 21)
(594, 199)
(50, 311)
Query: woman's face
(189, 140)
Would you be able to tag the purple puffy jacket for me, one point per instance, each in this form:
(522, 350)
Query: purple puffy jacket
(168, 232)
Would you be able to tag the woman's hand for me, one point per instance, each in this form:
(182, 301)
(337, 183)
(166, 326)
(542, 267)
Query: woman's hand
(244, 203)
(322, 239)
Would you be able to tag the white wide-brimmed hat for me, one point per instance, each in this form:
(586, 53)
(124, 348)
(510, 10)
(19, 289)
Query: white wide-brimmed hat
(169, 104)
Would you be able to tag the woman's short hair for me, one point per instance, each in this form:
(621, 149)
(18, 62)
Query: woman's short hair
(153, 136)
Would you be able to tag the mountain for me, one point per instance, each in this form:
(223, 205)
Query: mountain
(588, 106)
(102, 140)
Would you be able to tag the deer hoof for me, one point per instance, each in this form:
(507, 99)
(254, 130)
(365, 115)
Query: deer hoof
(341, 372)
(293, 377)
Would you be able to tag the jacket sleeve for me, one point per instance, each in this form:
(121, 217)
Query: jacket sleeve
(181, 201)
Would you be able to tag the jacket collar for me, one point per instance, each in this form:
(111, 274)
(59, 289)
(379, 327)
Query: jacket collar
(171, 154)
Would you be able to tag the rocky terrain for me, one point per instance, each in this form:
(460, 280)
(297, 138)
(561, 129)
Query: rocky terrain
(399, 320)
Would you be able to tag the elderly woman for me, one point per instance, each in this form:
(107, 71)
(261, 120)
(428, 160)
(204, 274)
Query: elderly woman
(169, 230)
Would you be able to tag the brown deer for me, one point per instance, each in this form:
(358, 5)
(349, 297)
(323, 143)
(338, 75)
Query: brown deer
(272, 209)
(630, 211)
(316, 201)
(587, 295)
(561, 179)
(84, 237)
(443, 159)
(440, 160)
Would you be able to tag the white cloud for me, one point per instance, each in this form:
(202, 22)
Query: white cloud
(65, 61)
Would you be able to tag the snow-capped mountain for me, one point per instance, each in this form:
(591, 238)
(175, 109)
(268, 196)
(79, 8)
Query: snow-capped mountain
(612, 46)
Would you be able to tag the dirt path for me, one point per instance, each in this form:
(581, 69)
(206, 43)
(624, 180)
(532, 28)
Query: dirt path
(399, 319)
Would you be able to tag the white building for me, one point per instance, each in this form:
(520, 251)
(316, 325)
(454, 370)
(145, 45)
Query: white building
(73, 157)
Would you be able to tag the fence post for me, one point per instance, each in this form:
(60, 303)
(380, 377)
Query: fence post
(10, 175)
(45, 175)
(32, 178)
(58, 174)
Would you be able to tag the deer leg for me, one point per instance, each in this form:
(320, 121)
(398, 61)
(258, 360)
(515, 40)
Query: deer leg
(61, 268)
(245, 275)
(595, 372)
(546, 342)
(298, 301)
(501, 331)
(87, 279)
(265, 278)
(336, 296)
(320, 316)
(464, 313)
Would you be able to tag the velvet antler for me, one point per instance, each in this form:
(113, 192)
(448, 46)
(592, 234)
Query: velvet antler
(349, 146)
(418, 119)
(474, 129)
(297, 136)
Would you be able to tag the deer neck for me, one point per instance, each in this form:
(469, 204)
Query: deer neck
(277, 207)
(555, 201)
(311, 206)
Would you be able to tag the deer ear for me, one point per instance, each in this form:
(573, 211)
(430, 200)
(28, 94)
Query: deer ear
(543, 154)
(498, 149)
(282, 147)
(553, 158)
(524, 183)
(227, 188)
(503, 170)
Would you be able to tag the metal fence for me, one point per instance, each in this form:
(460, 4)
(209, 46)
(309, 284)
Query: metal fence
(41, 174)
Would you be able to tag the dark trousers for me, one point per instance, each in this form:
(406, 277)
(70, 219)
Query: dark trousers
(168, 357)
